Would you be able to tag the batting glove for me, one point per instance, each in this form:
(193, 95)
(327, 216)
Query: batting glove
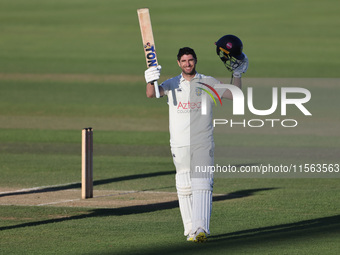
(152, 74)
(242, 68)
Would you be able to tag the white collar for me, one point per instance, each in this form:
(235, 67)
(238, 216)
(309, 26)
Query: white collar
(197, 76)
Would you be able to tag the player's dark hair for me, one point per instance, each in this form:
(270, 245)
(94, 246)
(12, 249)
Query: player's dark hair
(186, 51)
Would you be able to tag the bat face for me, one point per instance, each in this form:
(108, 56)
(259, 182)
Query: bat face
(150, 55)
(148, 41)
(147, 37)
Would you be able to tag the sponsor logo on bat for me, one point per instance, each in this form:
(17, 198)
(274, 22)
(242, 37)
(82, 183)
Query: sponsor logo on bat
(150, 54)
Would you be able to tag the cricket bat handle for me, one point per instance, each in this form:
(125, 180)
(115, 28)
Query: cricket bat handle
(155, 83)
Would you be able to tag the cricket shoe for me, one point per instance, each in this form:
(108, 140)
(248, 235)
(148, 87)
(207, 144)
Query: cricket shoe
(200, 236)
(190, 237)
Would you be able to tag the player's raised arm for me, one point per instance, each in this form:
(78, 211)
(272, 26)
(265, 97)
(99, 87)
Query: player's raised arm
(229, 48)
(152, 74)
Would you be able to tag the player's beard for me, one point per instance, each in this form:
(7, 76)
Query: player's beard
(192, 71)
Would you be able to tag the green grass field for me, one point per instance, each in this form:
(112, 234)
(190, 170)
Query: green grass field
(66, 65)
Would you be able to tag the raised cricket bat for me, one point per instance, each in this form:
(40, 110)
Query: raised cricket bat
(148, 41)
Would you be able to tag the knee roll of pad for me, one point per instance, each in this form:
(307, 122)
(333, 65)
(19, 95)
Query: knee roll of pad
(183, 183)
(202, 184)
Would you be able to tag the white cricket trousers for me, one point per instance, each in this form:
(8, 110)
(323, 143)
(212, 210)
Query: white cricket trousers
(194, 184)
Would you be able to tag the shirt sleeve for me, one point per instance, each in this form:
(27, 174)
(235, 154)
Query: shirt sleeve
(166, 87)
(216, 84)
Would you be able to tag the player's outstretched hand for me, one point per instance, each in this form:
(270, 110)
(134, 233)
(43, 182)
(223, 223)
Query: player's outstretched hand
(152, 74)
(237, 72)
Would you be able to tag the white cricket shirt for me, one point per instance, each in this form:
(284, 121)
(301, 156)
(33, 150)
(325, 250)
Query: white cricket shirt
(187, 124)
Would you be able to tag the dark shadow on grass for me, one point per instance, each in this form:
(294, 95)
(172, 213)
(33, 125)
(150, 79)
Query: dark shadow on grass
(265, 237)
(239, 194)
(137, 209)
(95, 183)
(229, 242)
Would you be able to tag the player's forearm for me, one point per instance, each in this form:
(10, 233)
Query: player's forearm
(237, 82)
(150, 90)
(227, 93)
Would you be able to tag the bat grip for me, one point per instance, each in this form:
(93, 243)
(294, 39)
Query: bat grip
(156, 89)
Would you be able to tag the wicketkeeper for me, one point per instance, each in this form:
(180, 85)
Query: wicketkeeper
(191, 131)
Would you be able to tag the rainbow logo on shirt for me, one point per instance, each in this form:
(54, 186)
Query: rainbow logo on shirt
(209, 93)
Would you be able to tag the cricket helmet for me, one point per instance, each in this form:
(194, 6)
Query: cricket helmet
(229, 49)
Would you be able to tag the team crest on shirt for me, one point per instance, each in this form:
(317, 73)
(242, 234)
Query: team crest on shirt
(198, 91)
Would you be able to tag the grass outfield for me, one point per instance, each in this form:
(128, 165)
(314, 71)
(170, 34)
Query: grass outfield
(257, 216)
(281, 38)
(66, 65)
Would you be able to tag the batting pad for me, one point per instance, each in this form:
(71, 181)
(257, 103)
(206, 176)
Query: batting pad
(201, 204)
(183, 185)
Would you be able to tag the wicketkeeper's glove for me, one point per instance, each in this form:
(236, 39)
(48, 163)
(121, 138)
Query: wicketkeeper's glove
(152, 74)
(242, 68)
